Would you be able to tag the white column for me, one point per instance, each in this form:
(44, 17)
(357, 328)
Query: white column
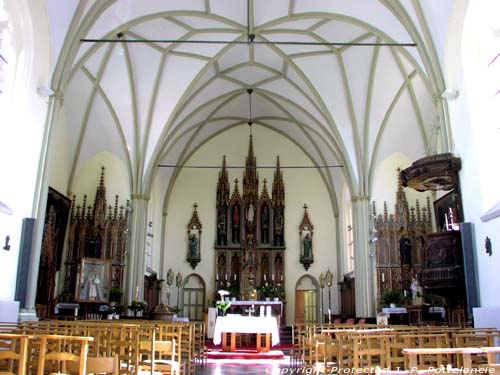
(363, 258)
(40, 198)
(136, 267)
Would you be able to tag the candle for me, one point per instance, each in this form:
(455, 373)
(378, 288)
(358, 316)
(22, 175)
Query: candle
(264, 277)
(137, 293)
(217, 276)
(383, 277)
(234, 277)
(226, 276)
(272, 277)
(405, 293)
(281, 277)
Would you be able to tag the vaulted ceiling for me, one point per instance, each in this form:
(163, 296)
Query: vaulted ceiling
(350, 81)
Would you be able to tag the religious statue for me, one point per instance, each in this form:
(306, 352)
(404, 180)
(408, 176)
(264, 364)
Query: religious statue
(221, 229)
(236, 224)
(91, 288)
(416, 291)
(405, 250)
(307, 243)
(193, 246)
(264, 224)
(250, 213)
(278, 229)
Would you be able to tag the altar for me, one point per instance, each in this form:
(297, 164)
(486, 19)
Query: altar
(241, 307)
(233, 324)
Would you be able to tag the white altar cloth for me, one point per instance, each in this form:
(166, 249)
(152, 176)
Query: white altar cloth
(246, 324)
(394, 310)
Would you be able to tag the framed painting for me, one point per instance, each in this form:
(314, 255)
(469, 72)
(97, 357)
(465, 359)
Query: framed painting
(94, 280)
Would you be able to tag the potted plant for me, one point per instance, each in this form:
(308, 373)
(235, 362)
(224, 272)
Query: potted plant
(137, 306)
(391, 298)
(115, 295)
(265, 291)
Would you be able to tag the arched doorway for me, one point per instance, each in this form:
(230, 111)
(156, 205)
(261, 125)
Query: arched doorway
(306, 300)
(193, 297)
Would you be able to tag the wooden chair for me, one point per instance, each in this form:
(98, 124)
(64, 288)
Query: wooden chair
(370, 350)
(428, 341)
(159, 356)
(430, 371)
(96, 365)
(469, 339)
(492, 353)
(326, 355)
(57, 350)
(13, 353)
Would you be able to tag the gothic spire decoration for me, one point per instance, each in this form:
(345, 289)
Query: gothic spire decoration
(278, 186)
(223, 186)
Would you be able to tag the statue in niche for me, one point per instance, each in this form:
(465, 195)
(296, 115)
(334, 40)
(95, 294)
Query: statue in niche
(278, 229)
(250, 213)
(193, 245)
(307, 245)
(264, 224)
(221, 229)
(236, 224)
(405, 250)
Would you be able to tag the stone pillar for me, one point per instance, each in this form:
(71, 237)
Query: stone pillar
(40, 202)
(137, 248)
(363, 258)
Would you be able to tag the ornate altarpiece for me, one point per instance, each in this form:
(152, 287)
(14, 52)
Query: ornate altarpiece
(399, 244)
(96, 232)
(250, 240)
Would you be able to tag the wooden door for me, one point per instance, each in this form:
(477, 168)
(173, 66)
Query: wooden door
(193, 304)
(299, 306)
(306, 306)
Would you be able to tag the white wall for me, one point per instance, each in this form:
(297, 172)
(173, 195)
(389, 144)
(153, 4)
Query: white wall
(475, 131)
(22, 115)
(301, 186)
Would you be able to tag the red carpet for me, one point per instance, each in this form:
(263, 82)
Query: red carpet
(244, 354)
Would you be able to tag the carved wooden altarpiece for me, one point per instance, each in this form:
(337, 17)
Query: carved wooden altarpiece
(96, 232)
(399, 246)
(250, 245)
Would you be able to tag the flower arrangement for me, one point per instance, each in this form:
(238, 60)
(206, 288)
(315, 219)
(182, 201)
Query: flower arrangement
(271, 290)
(222, 304)
(138, 305)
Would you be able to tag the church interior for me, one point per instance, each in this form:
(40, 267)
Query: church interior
(209, 163)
